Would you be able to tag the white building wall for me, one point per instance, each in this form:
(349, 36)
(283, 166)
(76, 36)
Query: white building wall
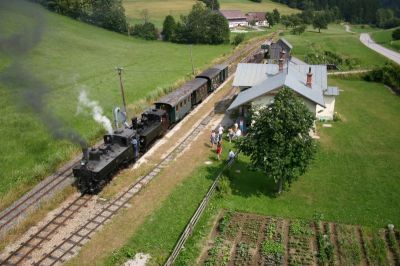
(326, 113)
(262, 23)
(234, 24)
(266, 100)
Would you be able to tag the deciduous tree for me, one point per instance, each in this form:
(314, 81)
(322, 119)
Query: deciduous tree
(278, 141)
(320, 22)
(169, 27)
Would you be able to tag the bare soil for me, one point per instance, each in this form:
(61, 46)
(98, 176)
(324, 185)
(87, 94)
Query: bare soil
(298, 248)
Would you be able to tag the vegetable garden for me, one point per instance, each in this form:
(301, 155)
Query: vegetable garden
(248, 239)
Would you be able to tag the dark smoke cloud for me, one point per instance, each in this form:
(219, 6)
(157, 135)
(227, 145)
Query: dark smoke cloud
(32, 90)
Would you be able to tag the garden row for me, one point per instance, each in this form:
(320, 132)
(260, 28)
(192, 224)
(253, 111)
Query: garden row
(247, 239)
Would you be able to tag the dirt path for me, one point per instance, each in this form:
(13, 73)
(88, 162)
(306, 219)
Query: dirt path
(366, 39)
(347, 28)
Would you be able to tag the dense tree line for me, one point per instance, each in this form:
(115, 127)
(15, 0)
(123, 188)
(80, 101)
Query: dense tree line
(108, 14)
(201, 25)
(383, 13)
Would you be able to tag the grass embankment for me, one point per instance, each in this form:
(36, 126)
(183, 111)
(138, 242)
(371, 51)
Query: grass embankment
(384, 38)
(334, 39)
(158, 9)
(70, 57)
(354, 179)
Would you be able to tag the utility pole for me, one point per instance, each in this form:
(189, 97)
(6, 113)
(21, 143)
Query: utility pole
(191, 57)
(119, 70)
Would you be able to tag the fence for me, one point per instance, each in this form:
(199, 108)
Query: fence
(195, 218)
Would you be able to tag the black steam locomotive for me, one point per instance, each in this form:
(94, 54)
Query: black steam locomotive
(124, 145)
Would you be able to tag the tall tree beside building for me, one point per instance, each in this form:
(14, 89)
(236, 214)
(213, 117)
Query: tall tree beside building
(278, 141)
(212, 4)
(109, 14)
(202, 25)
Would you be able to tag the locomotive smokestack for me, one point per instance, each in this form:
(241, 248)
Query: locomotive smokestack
(85, 156)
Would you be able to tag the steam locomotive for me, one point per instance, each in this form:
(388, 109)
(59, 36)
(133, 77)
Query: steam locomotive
(125, 145)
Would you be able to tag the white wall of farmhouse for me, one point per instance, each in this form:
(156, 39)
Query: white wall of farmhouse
(267, 99)
(234, 24)
(326, 113)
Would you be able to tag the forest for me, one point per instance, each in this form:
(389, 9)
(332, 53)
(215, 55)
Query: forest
(383, 13)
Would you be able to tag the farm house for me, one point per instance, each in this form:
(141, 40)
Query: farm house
(259, 83)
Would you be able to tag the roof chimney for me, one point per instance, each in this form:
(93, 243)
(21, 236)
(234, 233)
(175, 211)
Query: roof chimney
(281, 60)
(309, 78)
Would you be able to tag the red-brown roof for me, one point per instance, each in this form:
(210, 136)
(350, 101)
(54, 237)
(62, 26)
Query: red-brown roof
(256, 16)
(232, 14)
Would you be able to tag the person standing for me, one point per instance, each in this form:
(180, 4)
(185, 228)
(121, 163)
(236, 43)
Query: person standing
(231, 155)
(241, 124)
(219, 150)
(238, 133)
(231, 134)
(213, 138)
(220, 132)
(135, 146)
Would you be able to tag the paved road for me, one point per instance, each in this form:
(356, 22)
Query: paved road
(367, 41)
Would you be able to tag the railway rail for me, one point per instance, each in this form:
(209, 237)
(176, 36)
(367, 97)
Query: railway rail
(12, 214)
(75, 240)
(35, 241)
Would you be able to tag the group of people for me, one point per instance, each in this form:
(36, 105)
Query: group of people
(234, 132)
(216, 138)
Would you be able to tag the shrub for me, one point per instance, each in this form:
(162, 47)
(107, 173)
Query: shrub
(224, 187)
(396, 34)
(238, 39)
(388, 75)
(299, 29)
(145, 31)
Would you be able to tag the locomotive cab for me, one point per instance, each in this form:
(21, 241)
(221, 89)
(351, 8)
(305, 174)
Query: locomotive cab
(153, 124)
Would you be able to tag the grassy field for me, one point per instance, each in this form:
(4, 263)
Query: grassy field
(354, 180)
(73, 56)
(158, 9)
(337, 40)
(363, 28)
(384, 38)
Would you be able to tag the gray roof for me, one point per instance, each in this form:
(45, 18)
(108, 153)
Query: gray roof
(209, 73)
(232, 14)
(332, 91)
(249, 75)
(221, 66)
(286, 42)
(297, 61)
(179, 94)
(293, 77)
(276, 48)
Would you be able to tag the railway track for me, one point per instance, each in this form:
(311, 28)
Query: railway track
(23, 252)
(11, 215)
(78, 237)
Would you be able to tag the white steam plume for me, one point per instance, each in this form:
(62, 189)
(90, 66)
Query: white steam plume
(96, 111)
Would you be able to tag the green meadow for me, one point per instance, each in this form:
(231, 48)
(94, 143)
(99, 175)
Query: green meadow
(384, 37)
(334, 39)
(70, 57)
(158, 9)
